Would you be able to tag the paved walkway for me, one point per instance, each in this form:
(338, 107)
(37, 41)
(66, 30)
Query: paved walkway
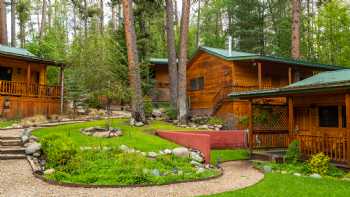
(16, 180)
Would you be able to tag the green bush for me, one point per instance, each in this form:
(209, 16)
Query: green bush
(319, 164)
(215, 121)
(58, 150)
(148, 107)
(293, 153)
(171, 112)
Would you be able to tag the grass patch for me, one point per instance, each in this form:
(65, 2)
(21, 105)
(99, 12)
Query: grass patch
(275, 184)
(7, 123)
(140, 138)
(105, 164)
(228, 155)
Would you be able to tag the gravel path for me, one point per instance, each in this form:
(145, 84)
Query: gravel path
(16, 180)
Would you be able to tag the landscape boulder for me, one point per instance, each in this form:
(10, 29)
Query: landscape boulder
(196, 157)
(181, 152)
(49, 171)
(267, 169)
(32, 148)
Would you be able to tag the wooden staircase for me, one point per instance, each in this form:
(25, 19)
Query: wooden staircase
(11, 148)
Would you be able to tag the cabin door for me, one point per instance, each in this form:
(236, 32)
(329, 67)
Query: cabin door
(5, 73)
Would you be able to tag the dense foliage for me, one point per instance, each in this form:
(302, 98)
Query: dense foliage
(293, 153)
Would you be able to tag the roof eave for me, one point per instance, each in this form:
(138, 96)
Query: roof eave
(34, 59)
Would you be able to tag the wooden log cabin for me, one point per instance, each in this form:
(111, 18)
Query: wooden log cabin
(23, 85)
(317, 114)
(214, 73)
(160, 74)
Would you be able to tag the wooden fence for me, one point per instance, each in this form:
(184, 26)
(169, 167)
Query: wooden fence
(14, 88)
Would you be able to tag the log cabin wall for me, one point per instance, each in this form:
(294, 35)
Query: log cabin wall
(162, 91)
(306, 114)
(217, 74)
(20, 68)
(17, 99)
(222, 77)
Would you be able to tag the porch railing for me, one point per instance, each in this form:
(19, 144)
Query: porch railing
(336, 148)
(15, 88)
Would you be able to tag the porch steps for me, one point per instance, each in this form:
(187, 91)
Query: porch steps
(11, 147)
(11, 142)
(12, 156)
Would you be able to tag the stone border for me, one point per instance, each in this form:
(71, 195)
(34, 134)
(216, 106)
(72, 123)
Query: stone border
(81, 185)
(75, 185)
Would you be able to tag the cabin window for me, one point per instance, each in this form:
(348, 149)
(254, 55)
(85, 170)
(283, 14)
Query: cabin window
(5, 73)
(197, 83)
(328, 116)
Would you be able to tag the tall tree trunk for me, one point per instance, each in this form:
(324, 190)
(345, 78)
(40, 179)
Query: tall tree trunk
(101, 16)
(43, 19)
(114, 18)
(22, 34)
(182, 101)
(198, 23)
(296, 29)
(49, 13)
(13, 23)
(85, 18)
(176, 14)
(172, 63)
(134, 69)
(3, 24)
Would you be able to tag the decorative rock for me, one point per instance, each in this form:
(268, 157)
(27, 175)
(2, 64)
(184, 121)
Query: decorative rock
(139, 124)
(197, 164)
(36, 154)
(203, 127)
(296, 174)
(49, 171)
(181, 152)
(24, 138)
(155, 172)
(200, 170)
(132, 121)
(152, 154)
(124, 148)
(32, 148)
(267, 169)
(316, 176)
(157, 113)
(196, 157)
(211, 127)
(167, 151)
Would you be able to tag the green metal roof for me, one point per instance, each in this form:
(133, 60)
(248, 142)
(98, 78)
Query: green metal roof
(323, 82)
(15, 51)
(158, 60)
(238, 55)
(324, 78)
(24, 54)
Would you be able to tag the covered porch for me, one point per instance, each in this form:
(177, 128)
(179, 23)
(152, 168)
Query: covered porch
(316, 113)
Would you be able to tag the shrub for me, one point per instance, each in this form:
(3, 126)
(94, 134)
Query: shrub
(215, 121)
(58, 150)
(319, 164)
(148, 107)
(171, 112)
(293, 153)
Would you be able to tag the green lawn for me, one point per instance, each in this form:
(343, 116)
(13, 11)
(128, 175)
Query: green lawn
(228, 155)
(286, 185)
(140, 138)
(7, 123)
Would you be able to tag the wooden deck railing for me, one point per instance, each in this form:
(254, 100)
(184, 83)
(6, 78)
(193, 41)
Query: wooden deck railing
(14, 88)
(270, 139)
(334, 147)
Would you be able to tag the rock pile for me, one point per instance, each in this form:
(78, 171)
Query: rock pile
(101, 132)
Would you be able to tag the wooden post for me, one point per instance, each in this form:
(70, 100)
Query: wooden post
(290, 75)
(250, 127)
(28, 89)
(260, 75)
(290, 116)
(62, 88)
(347, 106)
(28, 74)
